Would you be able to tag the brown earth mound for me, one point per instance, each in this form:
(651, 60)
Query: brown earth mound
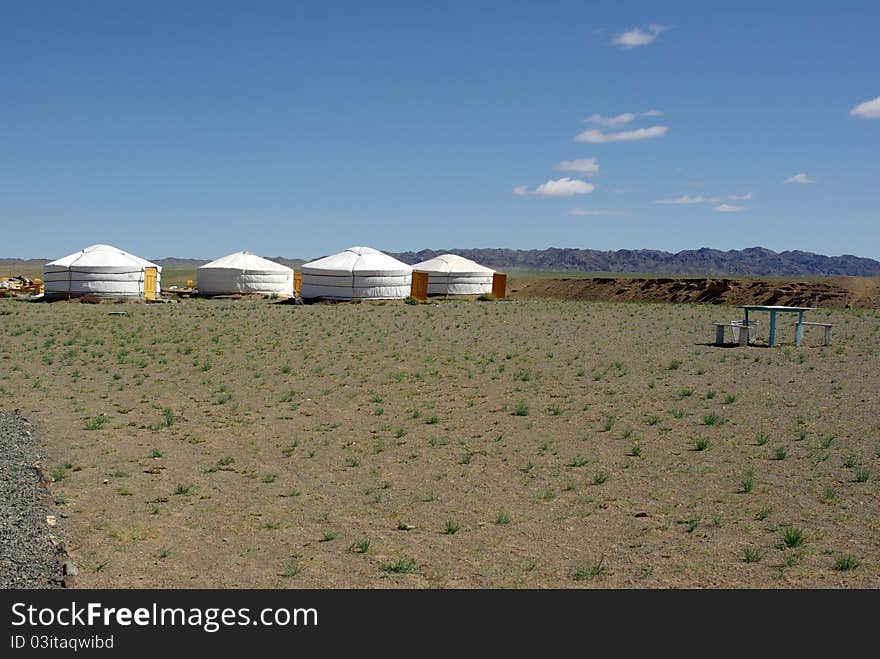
(836, 292)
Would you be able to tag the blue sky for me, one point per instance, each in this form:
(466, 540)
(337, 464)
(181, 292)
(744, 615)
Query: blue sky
(301, 128)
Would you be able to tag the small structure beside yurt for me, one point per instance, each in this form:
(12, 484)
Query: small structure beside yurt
(244, 273)
(357, 273)
(450, 274)
(103, 271)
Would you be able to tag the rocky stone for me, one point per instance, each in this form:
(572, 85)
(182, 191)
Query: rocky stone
(28, 556)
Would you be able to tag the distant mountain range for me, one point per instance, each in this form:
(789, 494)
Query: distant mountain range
(755, 261)
(752, 261)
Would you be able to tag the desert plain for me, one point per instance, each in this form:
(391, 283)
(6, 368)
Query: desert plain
(528, 443)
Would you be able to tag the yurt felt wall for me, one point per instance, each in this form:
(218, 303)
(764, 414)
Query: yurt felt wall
(450, 274)
(100, 270)
(245, 273)
(356, 273)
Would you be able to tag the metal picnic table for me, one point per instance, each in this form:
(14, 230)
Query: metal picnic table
(774, 309)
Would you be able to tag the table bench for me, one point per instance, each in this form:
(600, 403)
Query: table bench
(719, 332)
(827, 327)
(773, 309)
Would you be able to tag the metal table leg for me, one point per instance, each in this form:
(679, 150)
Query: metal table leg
(800, 329)
(772, 328)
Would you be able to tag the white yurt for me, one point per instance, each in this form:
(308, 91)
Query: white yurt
(356, 273)
(244, 272)
(450, 274)
(101, 270)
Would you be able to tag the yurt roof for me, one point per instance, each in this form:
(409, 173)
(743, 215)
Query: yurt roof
(101, 256)
(247, 262)
(358, 260)
(452, 264)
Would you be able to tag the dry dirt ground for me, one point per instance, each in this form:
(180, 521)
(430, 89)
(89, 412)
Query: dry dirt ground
(533, 443)
(830, 292)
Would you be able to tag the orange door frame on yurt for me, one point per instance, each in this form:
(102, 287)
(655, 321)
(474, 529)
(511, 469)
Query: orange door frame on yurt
(150, 283)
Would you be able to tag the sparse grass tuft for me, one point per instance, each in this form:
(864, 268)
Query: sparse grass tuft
(361, 547)
(828, 495)
(792, 537)
(862, 475)
(752, 554)
(596, 570)
(702, 444)
(402, 565)
(96, 423)
(845, 563)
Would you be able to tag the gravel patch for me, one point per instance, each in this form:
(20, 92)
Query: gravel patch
(28, 556)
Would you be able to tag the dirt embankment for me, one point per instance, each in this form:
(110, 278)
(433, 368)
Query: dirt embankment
(836, 292)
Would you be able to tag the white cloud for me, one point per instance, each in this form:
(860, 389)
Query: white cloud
(593, 211)
(689, 199)
(611, 122)
(686, 200)
(727, 208)
(584, 166)
(598, 137)
(621, 119)
(638, 36)
(562, 187)
(867, 110)
(801, 179)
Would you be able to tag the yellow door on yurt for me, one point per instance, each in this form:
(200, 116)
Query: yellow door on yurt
(149, 283)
